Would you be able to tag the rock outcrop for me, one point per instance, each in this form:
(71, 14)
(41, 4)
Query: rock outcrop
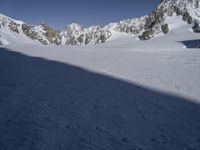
(196, 27)
(165, 28)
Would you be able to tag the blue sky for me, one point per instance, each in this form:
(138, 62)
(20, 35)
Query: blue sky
(58, 13)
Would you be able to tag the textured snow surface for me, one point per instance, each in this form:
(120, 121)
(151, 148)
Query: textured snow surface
(122, 95)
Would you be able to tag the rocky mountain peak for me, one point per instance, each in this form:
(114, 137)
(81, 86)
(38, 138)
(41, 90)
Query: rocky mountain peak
(188, 9)
(192, 7)
(74, 26)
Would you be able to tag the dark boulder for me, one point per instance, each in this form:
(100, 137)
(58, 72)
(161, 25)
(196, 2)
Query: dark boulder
(88, 39)
(187, 18)
(80, 39)
(196, 27)
(165, 28)
(177, 11)
(102, 39)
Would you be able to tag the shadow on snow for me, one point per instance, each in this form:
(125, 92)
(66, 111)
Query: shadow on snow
(47, 105)
(191, 43)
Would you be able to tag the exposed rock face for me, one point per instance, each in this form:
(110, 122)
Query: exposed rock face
(30, 32)
(42, 33)
(146, 35)
(14, 27)
(7, 22)
(165, 28)
(102, 36)
(196, 27)
(150, 33)
(187, 18)
(51, 35)
(154, 18)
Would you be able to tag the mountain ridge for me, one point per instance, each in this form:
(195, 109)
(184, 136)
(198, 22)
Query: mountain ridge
(143, 28)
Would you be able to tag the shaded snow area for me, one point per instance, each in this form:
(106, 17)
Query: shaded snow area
(122, 95)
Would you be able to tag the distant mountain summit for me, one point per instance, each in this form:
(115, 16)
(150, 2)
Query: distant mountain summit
(189, 10)
(144, 28)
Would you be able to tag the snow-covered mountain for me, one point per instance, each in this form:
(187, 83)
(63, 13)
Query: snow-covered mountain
(75, 34)
(144, 28)
(15, 32)
(189, 10)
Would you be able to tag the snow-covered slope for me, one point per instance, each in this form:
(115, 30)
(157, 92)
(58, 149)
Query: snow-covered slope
(17, 32)
(11, 32)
